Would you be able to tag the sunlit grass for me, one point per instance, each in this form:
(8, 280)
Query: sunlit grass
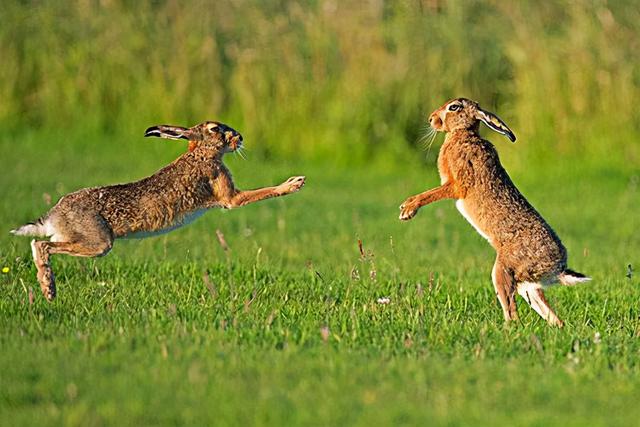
(287, 326)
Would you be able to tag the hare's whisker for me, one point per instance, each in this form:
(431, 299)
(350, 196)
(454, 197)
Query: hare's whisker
(432, 138)
(427, 138)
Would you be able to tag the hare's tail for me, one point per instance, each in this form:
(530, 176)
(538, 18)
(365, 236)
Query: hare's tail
(37, 228)
(570, 278)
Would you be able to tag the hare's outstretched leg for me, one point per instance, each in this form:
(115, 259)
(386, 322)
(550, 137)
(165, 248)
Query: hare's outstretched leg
(505, 285)
(410, 207)
(242, 198)
(533, 294)
(89, 237)
(43, 249)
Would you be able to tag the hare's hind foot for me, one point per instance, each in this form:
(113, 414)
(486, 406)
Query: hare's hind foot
(534, 295)
(505, 286)
(44, 272)
(42, 251)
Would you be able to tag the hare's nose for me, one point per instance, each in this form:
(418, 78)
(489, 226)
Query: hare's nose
(435, 121)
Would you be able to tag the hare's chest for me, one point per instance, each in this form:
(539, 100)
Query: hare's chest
(447, 164)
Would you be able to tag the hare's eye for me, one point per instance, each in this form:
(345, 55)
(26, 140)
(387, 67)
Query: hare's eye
(454, 107)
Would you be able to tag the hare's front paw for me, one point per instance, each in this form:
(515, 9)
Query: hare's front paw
(292, 185)
(409, 209)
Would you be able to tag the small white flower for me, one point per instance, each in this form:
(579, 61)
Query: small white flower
(324, 333)
(384, 300)
(596, 338)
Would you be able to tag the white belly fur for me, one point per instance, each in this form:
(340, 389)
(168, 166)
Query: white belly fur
(185, 220)
(465, 214)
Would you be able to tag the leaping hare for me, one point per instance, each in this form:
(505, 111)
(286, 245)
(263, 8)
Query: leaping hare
(530, 256)
(86, 222)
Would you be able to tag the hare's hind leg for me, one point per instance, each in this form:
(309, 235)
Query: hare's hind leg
(534, 295)
(40, 252)
(90, 237)
(505, 285)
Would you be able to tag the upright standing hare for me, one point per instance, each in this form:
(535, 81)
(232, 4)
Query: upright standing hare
(530, 254)
(86, 222)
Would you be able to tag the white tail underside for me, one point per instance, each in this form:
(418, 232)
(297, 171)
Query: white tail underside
(30, 230)
(568, 279)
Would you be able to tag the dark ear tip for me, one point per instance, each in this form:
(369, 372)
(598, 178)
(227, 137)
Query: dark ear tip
(152, 131)
(512, 137)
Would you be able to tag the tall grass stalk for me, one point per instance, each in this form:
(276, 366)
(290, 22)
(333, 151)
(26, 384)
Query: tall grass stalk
(327, 79)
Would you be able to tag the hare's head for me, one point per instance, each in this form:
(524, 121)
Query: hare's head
(462, 113)
(212, 135)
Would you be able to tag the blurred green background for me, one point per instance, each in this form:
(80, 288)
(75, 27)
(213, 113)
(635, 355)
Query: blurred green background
(345, 81)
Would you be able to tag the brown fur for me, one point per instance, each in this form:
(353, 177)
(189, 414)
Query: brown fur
(86, 222)
(528, 250)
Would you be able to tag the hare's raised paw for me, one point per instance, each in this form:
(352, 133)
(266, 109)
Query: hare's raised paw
(408, 210)
(292, 185)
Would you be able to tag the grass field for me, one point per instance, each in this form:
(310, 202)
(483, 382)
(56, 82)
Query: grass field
(285, 327)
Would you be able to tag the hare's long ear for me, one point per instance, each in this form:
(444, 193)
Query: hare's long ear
(494, 122)
(169, 132)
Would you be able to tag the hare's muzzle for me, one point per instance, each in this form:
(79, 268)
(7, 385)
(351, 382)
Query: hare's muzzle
(232, 138)
(235, 143)
(435, 121)
(169, 132)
